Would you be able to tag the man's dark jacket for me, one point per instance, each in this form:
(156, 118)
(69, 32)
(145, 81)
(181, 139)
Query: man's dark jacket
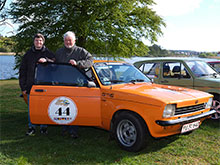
(28, 65)
(82, 57)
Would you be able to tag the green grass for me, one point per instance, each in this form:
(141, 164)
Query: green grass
(93, 147)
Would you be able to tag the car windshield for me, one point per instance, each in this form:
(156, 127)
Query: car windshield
(200, 68)
(216, 65)
(118, 73)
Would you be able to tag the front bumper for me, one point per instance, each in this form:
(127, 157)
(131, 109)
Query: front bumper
(185, 119)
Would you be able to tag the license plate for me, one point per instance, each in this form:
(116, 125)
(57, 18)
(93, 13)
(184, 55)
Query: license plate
(190, 126)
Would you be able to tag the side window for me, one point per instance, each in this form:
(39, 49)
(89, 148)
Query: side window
(174, 70)
(60, 75)
(152, 70)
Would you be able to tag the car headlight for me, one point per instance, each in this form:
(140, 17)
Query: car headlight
(209, 103)
(169, 110)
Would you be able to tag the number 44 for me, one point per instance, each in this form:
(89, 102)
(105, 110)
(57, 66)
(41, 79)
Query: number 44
(61, 112)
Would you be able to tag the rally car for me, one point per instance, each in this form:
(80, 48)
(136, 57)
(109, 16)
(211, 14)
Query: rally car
(117, 97)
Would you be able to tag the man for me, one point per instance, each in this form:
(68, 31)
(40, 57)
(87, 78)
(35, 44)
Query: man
(38, 53)
(73, 54)
(76, 56)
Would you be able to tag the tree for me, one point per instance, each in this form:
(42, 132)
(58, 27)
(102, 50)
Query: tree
(7, 44)
(115, 27)
(157, 51)
(207, 54)
(2, 4)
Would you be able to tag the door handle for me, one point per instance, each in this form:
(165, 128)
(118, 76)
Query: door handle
(40, 90)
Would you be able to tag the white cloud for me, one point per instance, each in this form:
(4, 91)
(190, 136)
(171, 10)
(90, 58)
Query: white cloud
(175, 7)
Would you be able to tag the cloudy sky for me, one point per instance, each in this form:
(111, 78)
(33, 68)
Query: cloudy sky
(191, 24)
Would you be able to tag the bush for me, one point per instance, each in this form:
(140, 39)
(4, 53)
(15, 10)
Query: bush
(4, 49)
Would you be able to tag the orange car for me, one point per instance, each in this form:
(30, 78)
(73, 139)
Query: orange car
(117, 97)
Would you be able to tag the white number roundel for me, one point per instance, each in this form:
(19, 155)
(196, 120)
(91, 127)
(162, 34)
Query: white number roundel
(62, 110)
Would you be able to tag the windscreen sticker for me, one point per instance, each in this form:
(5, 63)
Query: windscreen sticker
(62, 110)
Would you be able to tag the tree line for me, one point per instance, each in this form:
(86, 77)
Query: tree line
(7, 44)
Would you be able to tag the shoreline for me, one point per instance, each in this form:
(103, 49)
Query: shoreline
(7, 53)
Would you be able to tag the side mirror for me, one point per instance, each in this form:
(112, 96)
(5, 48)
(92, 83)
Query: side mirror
(91, 84)
(152, 80)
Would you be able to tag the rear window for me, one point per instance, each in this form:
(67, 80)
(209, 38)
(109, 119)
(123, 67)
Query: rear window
(59, 74)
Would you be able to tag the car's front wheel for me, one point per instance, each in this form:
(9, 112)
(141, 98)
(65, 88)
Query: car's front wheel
(130, 132)
(216, 106)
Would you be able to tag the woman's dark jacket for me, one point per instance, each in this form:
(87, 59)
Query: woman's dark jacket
(28, 64)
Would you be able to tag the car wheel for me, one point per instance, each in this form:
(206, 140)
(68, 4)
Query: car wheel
(216, 106)
(130, 132)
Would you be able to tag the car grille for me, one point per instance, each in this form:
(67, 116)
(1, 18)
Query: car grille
(189, 109)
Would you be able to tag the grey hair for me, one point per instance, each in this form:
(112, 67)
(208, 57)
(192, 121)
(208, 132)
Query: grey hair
(70, 34)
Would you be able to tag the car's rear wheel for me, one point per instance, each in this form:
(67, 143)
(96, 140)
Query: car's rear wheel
(130, 132)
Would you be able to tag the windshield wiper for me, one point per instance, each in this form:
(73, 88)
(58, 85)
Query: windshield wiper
(211, 74)
(116, 81)
(201, 75)
(136, 80)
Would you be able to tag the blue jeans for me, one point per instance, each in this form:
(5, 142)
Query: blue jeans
(70, 129)
(30, 125)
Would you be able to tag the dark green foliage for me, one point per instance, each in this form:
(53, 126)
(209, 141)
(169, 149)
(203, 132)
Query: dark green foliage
(157, 51)
(102, 26)
(7, 44)
(207, 54)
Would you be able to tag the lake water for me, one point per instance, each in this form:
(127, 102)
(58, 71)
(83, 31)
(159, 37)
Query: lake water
(7, 64)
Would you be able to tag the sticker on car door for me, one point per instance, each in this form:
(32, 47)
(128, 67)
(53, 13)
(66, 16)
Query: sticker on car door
(62, 110)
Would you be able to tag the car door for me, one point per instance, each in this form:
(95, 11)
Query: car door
(175, 73)
(61, 96)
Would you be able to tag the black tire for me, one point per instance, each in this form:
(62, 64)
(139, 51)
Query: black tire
(216, 106)
(130, 132)
(187, 133)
